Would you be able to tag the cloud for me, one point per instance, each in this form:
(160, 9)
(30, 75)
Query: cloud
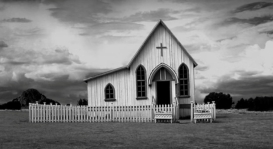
(29, 32)
(202, 68)
(268, 32)
(251, 21)
(3, 45)
(80, 11)
(55, 85)
(58, 78)
(154, 15)
(104, 28)
(209, 5)
(17, 20)
(61, 89)
(246, 86)
(250, 75)
(253, 6)
(31, 57)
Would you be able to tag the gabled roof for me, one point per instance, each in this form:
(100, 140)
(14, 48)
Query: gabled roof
(164, 25)
(105, 73)
(140, 49)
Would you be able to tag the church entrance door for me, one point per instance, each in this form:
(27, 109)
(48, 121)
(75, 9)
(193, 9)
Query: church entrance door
(163, 89)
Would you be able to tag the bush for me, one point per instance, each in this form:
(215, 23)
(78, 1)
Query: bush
(12, 105)
(223, 101)
(82, 102)
(242, 104)
(48, 101)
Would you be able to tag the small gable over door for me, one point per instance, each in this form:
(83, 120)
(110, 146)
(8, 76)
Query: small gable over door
(163, 75)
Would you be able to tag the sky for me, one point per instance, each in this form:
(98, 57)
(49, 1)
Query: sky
(52, 45)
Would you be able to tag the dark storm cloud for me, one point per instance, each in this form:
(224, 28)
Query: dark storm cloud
(3, 45)
(22, 0)
(268, 32)
(155, 15)
(248, 85)
(17, 20)
(207, 5)
(80, 11)
(59, 87)
(252, 21)
(253, 6)
(129, 23)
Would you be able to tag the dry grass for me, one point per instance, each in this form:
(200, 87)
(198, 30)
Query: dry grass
(231, 130)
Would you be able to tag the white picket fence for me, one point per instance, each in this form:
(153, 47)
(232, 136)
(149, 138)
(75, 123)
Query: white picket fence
(203, 111)
(63, 113)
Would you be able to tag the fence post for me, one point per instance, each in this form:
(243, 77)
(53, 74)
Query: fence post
(44, 112)
(192, 111)
(214, 110)
(29, 112)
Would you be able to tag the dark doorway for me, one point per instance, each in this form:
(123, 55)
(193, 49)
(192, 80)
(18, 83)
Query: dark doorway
(163, 92)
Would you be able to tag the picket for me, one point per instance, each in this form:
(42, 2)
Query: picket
(203, 111)
(63, 113)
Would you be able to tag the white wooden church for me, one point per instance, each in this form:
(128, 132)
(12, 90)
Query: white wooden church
(161, 72)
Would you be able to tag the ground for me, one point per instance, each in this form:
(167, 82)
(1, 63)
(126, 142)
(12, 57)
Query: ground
(230, 130)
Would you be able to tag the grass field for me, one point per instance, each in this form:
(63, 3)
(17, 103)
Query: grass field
(230, 130)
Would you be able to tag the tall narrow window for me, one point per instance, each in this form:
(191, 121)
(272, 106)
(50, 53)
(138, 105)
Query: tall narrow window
(109, 92)
(141, 82)
(183, 80)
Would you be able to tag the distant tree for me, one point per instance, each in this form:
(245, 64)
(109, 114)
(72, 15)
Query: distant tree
(260, 104)
(242, 104)
(82, 102)
(256, 104)
(12, 105)
(223, 101)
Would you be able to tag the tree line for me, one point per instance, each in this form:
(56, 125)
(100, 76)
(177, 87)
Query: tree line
(224, 101)
(256, 104)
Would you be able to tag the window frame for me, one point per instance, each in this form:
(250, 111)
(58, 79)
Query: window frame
(183, 78)
(141, 86)
(109, 93)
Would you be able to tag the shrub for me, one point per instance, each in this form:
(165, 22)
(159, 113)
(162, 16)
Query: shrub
(48, 101)
(242, 104)
(223, 101)
(12, 105)
(82, 102)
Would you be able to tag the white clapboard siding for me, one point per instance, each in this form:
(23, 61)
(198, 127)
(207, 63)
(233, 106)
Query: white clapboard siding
(124, 80)
(61, 113)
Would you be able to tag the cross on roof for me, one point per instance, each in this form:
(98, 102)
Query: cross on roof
(161, 48)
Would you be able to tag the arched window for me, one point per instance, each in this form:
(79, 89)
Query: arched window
(141, 82)
(183, 80)
(109, 92)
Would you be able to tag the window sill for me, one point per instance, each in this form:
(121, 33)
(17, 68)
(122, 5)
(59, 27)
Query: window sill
(141, 98)
(184, 96)
(110, 99)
